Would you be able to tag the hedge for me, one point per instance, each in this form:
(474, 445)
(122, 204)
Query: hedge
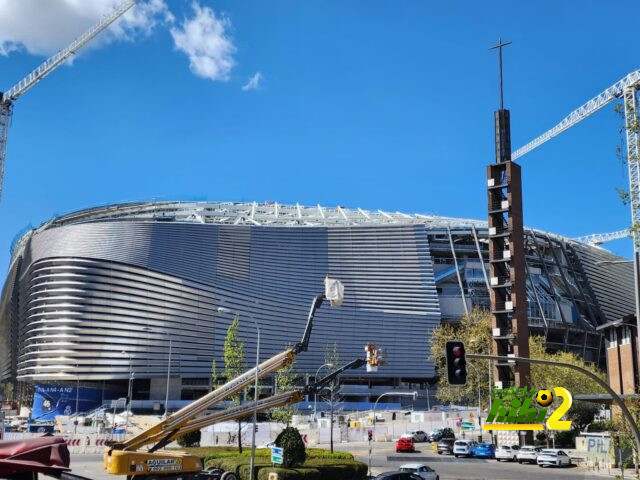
(313, 468)
(207, 453)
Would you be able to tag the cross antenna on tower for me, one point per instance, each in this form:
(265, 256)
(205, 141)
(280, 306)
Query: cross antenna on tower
(499, 47)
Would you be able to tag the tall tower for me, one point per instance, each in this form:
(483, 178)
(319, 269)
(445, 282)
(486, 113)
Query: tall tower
(506, 254)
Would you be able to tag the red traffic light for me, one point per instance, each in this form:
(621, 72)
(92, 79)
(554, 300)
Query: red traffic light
(458, 351)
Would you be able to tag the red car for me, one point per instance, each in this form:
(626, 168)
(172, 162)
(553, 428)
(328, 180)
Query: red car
(405, 444)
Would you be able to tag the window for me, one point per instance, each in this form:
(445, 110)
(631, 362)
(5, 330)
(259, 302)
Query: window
(613, 338)
(625, 336)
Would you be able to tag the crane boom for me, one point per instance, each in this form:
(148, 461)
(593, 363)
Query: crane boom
(596, 239)
(45, 68)
(54, 61)
(610, 94)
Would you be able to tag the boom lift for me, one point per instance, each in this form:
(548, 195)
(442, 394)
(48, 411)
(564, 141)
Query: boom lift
(126, 458)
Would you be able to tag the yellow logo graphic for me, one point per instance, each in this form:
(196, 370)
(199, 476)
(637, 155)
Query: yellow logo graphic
(516, 414)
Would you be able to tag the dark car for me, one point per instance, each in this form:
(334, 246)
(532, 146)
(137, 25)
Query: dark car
(397, 476)
(445, 446)
(441, 433)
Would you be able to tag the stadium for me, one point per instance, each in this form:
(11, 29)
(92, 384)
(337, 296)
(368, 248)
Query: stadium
(101, 296)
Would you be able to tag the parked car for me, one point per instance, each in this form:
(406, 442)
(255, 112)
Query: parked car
(439, 433)
(405, 444)
(463, 448)
(507, 452)
(445, 446)
(553, 456)
(528, 454)
(397, 476)
(484, 450)
(420, 469)
(418, 436)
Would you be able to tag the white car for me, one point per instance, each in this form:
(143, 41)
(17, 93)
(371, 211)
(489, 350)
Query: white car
(528, 453)
(463, 448)
(507, 452)
(418, 436)
(553, 456)
(421, 470)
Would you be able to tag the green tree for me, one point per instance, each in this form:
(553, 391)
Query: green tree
(294, 451)
(234, 355)
(285, 381)
(191, 439)
(582, 414)
(475, 331)
(332, 358)
(215, 378)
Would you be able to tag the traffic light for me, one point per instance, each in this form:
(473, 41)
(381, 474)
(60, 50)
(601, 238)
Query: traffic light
(456, 363)
(370, 435)
(256, 428)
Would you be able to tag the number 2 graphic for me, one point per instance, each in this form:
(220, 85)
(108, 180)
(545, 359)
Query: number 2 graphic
(554, 422)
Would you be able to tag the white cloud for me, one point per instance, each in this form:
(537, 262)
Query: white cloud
(254, 82)
(42, 27)
(205, 41)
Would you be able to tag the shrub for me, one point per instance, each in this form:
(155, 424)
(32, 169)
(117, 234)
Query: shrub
(190, 439)
(293, 447)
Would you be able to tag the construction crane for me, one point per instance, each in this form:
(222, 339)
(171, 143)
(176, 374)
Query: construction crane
(8, 98)
(597, 239)
(627, 89)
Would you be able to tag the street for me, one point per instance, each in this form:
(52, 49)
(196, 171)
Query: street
(385, 459)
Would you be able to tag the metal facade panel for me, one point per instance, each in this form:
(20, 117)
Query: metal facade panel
(91, 291)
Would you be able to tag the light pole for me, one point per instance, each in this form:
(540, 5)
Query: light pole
(255, 390)
(75, 423)
(386, 394)
(127, 405)
(315, 395)
(166, 399)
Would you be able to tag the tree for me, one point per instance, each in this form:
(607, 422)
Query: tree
(294, 452)
(215, 380)
(234, 365)
(582, 414)
(475, 331)
(285, 380)
(191, 439)
(332, 357)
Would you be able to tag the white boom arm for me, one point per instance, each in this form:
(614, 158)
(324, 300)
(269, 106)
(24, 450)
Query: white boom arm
(53, 62)
(596, 239)
(593, 105)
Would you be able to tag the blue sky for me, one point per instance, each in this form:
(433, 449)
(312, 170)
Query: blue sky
(371, 104)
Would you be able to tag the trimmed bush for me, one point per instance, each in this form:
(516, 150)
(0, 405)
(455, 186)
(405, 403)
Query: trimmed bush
(291, 442)
(191, 439)
(313, 468)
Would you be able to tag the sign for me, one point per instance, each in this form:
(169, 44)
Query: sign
(276, 455)
(468, 425)
(50, 401)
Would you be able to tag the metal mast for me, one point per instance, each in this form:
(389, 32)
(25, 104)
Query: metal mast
(49, 65)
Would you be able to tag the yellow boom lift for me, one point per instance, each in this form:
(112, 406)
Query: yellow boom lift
(130, 459)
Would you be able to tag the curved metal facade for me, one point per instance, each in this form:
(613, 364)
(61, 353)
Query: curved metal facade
(96, 291)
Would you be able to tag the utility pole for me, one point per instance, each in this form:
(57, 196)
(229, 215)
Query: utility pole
(508, 293)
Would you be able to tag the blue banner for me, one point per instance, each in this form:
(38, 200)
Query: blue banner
(49, 401)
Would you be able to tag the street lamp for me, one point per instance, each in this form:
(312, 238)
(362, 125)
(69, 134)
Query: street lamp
(315, 401)
(166, 399)
(414, 395)
(75, 423)
(128, 407)
(255, 391)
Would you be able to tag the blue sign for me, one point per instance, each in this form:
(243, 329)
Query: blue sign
(276, 455)
(50, 401)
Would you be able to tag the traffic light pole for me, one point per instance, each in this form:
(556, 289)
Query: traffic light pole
(616, 398)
